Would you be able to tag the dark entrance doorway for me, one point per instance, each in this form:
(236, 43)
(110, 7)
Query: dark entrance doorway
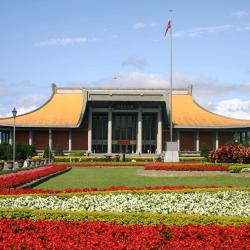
(100, 133)
(124, 133)
(148, 133)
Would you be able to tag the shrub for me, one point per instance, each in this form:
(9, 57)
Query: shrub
(6, 151)
(59, 150)
(205, 151)
(23, 151)
(231, 154)
(47, 152)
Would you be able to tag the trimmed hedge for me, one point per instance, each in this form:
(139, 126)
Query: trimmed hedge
(123, 218)
(237, 168)
(192, 158)
(102, 159)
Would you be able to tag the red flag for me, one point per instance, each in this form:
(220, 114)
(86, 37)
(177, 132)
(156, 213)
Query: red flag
(168, 27)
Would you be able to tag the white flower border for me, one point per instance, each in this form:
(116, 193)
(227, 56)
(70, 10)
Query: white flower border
(222, 203)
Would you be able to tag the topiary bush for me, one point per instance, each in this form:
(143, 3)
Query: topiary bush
(59, 150)
(231, 154)
(47, 152)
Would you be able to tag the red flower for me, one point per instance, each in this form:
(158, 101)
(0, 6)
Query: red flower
(182, 167)
(28, 234)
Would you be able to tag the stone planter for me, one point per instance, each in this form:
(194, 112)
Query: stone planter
(1, 165)
(28, 163)
(10, 164)
(38, 163)
(20, 164)
(33, 163)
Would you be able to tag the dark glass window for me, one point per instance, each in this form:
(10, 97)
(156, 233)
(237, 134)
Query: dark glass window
(99, 133)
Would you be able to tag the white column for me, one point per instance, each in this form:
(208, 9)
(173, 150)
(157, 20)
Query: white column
(178, 139)
(30, 136)
(139, 131)
(70, 140)
(10, 138)
(50, 138)
(159, 132)
(110, 131)
(90, 131)
(216, 140)
(197, 141)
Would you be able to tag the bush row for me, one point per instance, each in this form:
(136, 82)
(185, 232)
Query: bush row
(123, 218)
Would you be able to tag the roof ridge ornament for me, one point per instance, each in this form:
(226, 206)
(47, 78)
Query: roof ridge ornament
(190, 89)
(54, 87)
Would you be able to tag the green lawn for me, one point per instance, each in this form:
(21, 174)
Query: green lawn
(107, 177)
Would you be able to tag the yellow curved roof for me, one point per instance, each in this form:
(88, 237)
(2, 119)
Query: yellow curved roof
(54, 113)
(187, 113)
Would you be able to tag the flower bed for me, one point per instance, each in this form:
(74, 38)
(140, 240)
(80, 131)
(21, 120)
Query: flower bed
(16, 179)
(223, 203)
(186, 167)
(117, 188)
(106, 164)
(27, 234)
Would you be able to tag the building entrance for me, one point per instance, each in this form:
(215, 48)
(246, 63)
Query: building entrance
(124, 133)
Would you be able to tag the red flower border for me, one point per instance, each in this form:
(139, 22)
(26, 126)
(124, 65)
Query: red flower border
(41, 234)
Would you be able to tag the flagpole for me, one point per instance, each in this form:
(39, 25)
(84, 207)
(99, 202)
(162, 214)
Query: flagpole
(171, 81)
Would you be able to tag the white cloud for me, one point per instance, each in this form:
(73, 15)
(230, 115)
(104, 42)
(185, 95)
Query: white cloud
(64, 41)
(142, 25)
(152, 25)
(139, 25)
(31, 100)
(233, 108)
(136, 62)
(239, 13)
(204, 87)
(200, 31)
(20, 111)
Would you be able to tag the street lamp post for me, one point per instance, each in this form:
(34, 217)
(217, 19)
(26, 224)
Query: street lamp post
(14, 112)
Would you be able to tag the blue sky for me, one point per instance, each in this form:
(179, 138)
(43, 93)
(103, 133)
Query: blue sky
(87, 43)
